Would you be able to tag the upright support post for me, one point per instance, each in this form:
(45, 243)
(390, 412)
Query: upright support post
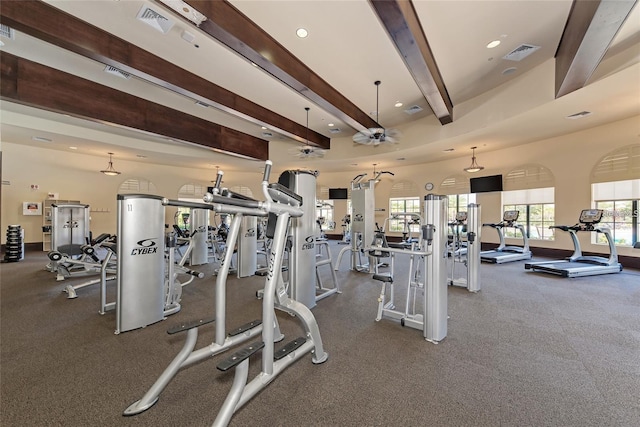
(474, 227)
(435, 295)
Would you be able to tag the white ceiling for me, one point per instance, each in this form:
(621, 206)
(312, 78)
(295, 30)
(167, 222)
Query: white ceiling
(348, 48)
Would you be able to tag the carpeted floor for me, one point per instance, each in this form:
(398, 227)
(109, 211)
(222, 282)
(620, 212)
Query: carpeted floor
(530, 349)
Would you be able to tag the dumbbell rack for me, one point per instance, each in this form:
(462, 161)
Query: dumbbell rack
(14, 249)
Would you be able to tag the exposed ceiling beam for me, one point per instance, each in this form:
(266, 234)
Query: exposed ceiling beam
(403, 25)
(590, 29)
(233, 29)
(54, 26)
(35, 85)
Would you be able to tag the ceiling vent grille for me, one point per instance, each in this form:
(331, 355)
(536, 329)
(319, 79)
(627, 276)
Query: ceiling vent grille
(335, 130)
(155, 19)
(6, 31)
(579, 115)
(117, 72)
(413, 110)
(521, 52)
(267, 134)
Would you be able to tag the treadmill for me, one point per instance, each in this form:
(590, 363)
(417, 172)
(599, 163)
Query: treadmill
(504, 253)
(577, 264)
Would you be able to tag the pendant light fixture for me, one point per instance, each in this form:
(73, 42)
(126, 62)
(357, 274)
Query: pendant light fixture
(110, 171)
(475, 167)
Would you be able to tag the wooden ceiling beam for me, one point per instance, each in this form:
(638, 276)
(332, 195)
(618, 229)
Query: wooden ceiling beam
(35, 85)
(54, 26)
(590, 29)
(401, 21)
(233, 29)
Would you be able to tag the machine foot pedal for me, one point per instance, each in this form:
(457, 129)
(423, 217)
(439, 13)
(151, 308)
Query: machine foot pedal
(244, 328)
(383, 278)
(289, 347)
(190, 325)
(239, 356)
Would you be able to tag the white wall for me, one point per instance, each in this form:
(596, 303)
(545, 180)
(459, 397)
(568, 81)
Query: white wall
(570, 158)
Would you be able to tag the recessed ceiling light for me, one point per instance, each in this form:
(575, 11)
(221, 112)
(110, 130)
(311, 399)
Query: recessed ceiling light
(508, 71)
(493, 44)
(330, 124)
(41, 139)
(302, 33)
(73, 148)
(398, 104)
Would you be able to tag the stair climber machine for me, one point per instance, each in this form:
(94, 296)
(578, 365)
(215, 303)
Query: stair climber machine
(472, 251)
(363, 207)
(284, 205)
(504, 253)
(577, 264)
(427, 274)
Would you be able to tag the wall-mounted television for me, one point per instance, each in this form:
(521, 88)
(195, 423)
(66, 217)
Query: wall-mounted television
(486, 184)
(338, 194)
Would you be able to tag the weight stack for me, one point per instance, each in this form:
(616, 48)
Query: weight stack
(14, 249)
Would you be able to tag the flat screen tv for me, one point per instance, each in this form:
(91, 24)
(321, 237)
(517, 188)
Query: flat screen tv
(338, 194)
(486, 184)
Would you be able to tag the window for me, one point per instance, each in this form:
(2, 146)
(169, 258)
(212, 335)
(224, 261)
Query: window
(537, 212)
(459, 203)
(620, 201)
(400, 224)
(324, 214)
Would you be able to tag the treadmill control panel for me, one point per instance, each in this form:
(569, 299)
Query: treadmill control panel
(510, 216)
(461, 216)
(591, 216)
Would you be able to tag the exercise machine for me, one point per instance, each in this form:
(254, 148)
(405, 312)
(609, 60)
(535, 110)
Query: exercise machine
(504, 253)
(471, 219)
(147, 291)
(362, 222)
(577, 264)
(458, 227)
(346, 230)
(88, 263)
(302, 261)
(284, 204)
(427, 272)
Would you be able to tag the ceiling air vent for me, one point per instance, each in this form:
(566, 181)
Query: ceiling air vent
(6, 31)
(334, 130)
(155, 19)
(117, 72)
(267, 134)
(413, 110)
(521, 52)
(579, 115)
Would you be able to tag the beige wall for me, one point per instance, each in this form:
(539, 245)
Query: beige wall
(570, 158)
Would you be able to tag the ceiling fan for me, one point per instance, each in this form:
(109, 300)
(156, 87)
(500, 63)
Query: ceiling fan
(378, 135)
(307, 151)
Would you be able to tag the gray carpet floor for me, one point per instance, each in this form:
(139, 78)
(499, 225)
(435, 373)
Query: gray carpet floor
(529, 349)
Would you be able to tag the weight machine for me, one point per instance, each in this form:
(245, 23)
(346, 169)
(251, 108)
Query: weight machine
(427, 273)
(362, 222)
(472, 260)
(283, 204)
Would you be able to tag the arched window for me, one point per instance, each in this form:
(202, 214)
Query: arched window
(615, 188)
(137, 186)
(530, 190)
